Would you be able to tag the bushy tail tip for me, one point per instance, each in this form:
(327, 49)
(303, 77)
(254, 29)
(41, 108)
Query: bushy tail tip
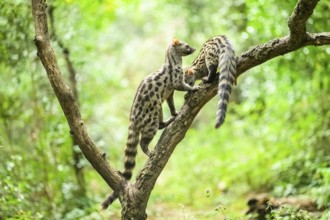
(106, 203)
(218, 124)
(221, 115)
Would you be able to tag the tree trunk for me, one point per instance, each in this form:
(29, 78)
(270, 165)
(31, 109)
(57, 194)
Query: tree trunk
(134, 208)
(134, 197)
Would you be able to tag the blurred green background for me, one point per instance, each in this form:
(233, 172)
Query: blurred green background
(276, 138)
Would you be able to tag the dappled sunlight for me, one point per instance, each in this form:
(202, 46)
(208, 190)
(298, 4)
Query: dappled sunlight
(275, 139)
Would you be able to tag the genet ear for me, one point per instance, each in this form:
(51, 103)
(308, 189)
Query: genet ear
(175, 42)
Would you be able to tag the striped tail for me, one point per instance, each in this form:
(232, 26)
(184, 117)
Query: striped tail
(227, 66)
(130, 155)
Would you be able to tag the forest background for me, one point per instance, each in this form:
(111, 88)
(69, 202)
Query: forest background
(276, 138)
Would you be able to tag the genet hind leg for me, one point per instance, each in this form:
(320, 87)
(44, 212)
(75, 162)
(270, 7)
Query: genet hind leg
(161, 123)
(149, 131)
(145, 141)
(146, 138)
(212, 65)
(212, 74)
(170, 103)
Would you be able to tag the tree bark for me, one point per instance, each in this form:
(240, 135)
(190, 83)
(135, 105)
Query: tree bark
(134, 196)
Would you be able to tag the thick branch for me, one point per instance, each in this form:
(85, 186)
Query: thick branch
(176, 131)
(67, 99)
(297, 21)
(172, 135)
(262, 53)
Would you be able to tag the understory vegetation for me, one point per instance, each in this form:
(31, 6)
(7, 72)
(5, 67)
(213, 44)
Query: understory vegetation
(276, 138)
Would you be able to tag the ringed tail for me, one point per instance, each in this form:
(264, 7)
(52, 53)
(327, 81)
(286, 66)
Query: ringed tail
(130, 155)
(227, 77)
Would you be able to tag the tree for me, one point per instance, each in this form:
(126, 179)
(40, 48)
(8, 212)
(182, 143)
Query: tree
(134, 196)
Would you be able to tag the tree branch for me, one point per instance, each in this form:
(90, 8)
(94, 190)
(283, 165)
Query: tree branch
(176, 131)
(297, 21)
(298, 38)
(67, 99)
(172, 135)
(262, 53)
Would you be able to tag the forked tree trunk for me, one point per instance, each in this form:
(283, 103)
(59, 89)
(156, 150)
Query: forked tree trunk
(134, 207)
(134, 197)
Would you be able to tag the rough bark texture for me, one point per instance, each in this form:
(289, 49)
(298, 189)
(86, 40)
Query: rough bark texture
(134, 196)
(68, 101)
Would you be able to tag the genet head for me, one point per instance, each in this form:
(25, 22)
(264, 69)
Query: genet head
(183, 48)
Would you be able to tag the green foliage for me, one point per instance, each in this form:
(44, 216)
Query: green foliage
(287, 213)
(275, 139)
